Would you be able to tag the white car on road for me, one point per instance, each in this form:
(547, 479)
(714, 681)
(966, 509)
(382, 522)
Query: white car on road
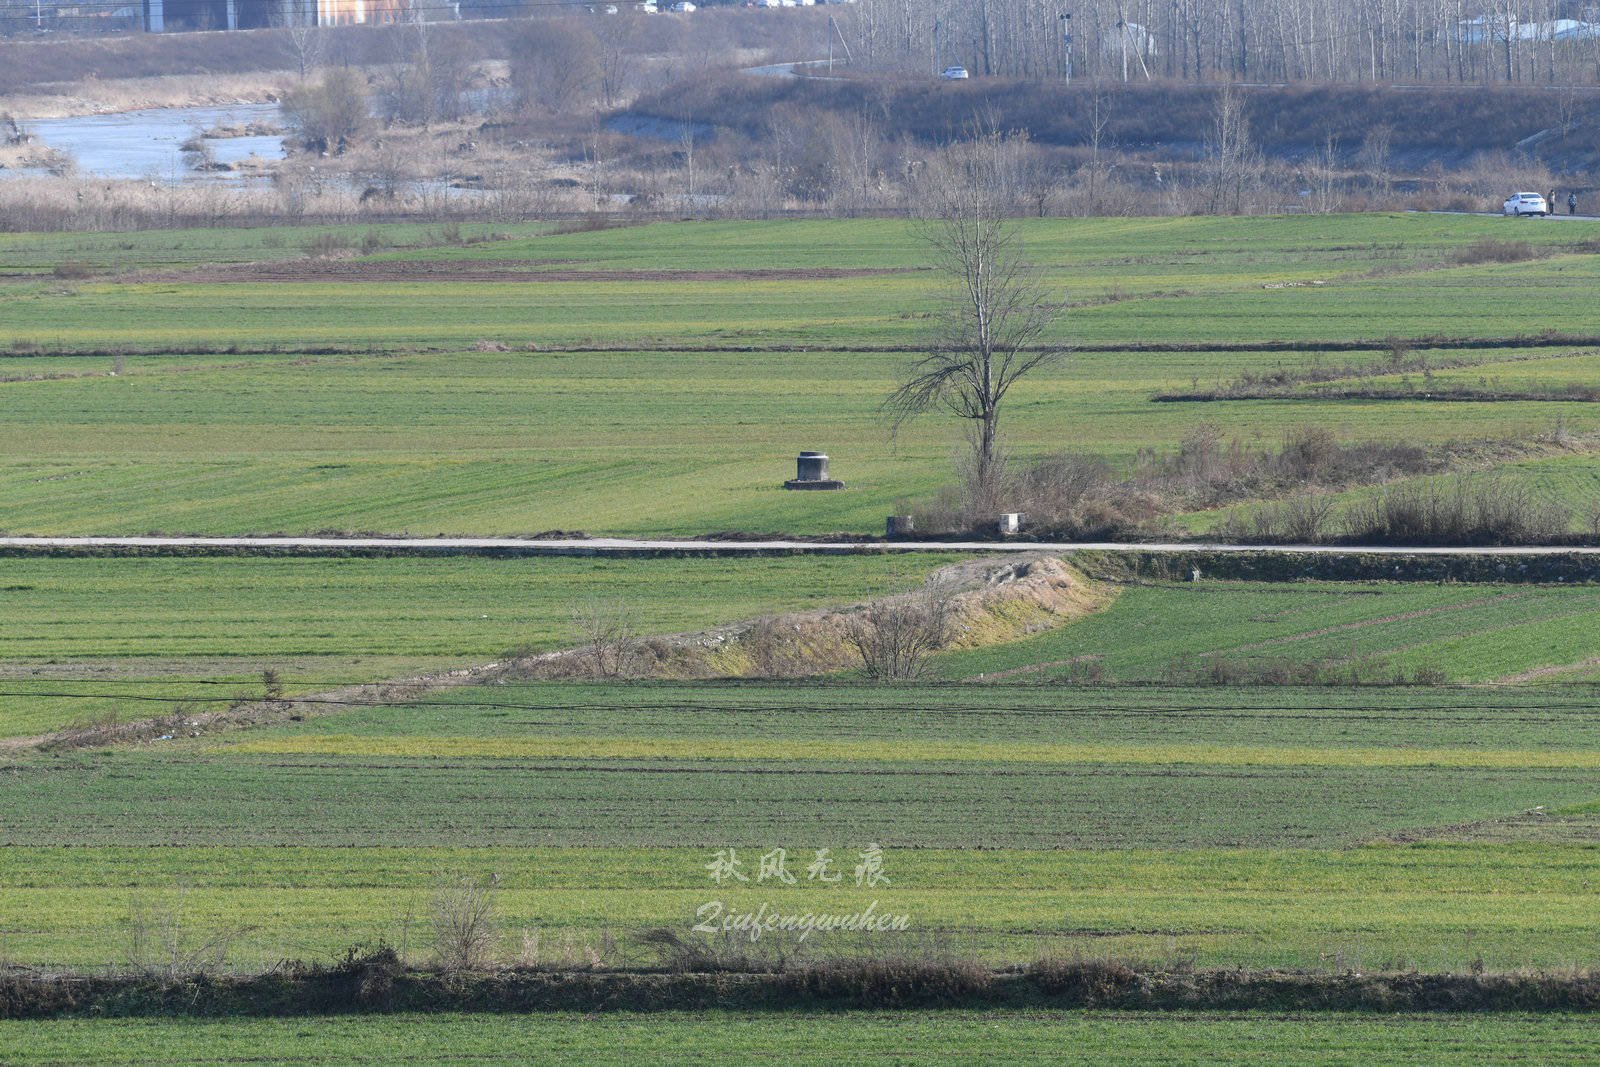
(1526, 204)
(955, 73)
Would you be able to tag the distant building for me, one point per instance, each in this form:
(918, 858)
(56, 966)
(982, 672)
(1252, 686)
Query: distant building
(1484, 29)
(169, 16)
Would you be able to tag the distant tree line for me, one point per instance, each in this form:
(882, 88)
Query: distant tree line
(1525, 41)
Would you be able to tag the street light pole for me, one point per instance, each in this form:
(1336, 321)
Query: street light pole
(1066, 32)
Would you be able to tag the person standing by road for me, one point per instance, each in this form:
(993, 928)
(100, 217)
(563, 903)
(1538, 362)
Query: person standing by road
(1550, 203)
(1572, 203)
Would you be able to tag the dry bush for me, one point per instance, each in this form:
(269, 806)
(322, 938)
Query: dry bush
(327, 116)
(1305, 519)
(610, 642)
(161, 944)
(1459, 511)
(776, 651)
(466, 922)
(1490, 250)
(1191, 670)
(897, 638)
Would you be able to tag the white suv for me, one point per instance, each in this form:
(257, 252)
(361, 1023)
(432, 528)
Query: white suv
(1526, 204)
(955, 73)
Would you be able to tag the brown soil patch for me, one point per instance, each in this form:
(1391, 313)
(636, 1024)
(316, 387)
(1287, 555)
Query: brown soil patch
(525, 271)
(1544, 672)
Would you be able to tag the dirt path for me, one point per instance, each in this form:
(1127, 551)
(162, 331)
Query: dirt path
(518, 271)
(1545, 672)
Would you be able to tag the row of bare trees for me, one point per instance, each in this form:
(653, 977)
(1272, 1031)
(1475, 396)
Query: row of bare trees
(1532, 41)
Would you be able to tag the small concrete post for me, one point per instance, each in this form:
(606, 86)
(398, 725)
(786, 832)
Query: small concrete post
(811, 472)
(811, 467)
(898, 526)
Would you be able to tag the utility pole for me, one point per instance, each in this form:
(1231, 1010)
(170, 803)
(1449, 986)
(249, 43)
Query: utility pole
(1122, 32)
(1066, 39)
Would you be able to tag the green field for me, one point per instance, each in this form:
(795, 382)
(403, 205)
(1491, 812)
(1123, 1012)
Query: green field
(677, 1037)
(82, 637)
(1023, 812)
(1311, 828)
(415, 432)
(1470, 633)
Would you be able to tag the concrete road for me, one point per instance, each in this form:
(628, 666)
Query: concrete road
(615, 546)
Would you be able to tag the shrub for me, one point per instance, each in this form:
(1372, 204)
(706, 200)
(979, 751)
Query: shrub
(466, 922)
(328, 245)
(1490, 250)
(1460, 511)
(898, 637)
(329, 115)
(610, 645)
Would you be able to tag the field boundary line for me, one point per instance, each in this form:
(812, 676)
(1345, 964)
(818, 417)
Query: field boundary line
(619, 546)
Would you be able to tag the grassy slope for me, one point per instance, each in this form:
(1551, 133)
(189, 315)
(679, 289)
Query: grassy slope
(1473, 633)
(122, 633)
(953, 1036)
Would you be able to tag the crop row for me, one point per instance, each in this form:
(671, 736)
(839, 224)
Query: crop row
(1527, 905)
(890, 752)
(154, 799)
(679, 1037)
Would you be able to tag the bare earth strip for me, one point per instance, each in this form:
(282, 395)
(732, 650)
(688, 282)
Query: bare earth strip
(1544, 672)
(990, 600)
(528, 271)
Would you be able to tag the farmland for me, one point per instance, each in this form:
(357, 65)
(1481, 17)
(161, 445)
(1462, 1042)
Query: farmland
(83, 637)
(681, 1037)
(1077, 793)
(1265, 827)
(413, 427)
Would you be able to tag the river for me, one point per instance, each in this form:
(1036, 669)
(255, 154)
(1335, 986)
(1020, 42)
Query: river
(145, 144)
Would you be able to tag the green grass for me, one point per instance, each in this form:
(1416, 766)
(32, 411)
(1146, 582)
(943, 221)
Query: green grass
(25, 253)
(84, 636)
(1187, 279)
(452, 440)
(1473, 633)
(1433, 907)
(948, 1036)
(616, 444)
(1247, 862)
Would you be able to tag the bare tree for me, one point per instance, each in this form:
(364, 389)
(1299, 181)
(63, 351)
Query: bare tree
(466, 921)
(1232, 161)
(1001, 310)
(898, 637)
(610, 643)
(303, 41)
(555, 65)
